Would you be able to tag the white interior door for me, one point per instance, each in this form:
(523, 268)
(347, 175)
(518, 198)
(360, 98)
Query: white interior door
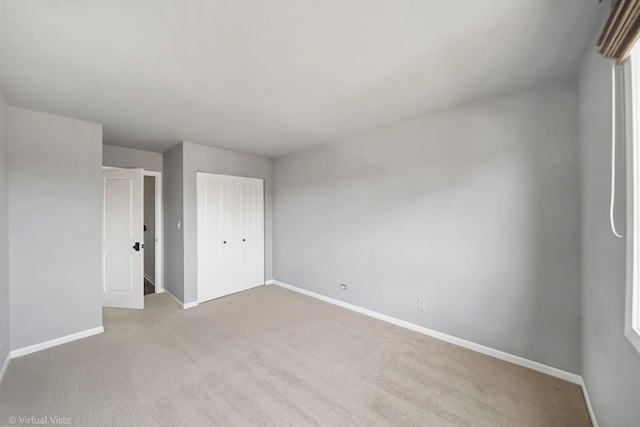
(249, 233)
(216, 244)
(122, 262)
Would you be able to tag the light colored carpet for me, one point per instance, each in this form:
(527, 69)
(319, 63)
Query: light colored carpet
(270, 356)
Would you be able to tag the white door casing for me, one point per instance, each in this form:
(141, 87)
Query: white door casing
(122, 265)
(230, 213)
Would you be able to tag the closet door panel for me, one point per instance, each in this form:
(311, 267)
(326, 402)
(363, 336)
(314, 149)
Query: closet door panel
(216, 205)
(249, 233)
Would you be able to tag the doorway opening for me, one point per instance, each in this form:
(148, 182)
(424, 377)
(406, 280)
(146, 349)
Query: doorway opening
(149, 235)
(153, 282)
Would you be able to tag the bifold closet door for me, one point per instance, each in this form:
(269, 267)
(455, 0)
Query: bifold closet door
(249, 233)
(216, 262)
(230, 234)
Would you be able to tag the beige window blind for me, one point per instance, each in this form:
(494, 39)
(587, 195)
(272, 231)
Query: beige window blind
(621, 31)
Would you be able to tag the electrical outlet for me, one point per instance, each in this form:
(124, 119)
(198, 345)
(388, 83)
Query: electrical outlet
(343, 286)
(421, 305)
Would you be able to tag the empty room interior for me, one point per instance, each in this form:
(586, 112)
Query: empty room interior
(301, 212)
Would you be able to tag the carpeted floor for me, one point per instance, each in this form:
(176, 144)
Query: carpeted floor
(270, 356)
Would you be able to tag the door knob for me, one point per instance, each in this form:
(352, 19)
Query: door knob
(243, 240)
(224, 241)
(137, 246)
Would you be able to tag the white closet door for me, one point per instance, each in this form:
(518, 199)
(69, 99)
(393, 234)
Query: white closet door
(249, 233)
(230, 234)
(216, 206)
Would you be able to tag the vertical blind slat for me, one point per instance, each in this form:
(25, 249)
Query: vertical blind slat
(614, 16)
(620, 36)
(621, 31)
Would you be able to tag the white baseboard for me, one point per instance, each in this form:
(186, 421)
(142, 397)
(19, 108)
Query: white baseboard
(5, 365)
(587, 401)
(152, 281)
(498, 354)
(180, 303)
(190, 305)
(174, 298)
(270, 282)
(54, 342)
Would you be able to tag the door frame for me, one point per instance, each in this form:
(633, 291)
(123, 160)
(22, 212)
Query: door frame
(159, 253)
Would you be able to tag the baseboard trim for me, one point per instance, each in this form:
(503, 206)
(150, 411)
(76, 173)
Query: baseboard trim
(55, 342)
(5, 365)
(152, 281)
(190, 305)
(587, 401)
(180, 303)
(270, 282)
(498, 354)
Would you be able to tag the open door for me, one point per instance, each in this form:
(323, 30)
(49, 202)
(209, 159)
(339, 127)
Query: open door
(122, 238)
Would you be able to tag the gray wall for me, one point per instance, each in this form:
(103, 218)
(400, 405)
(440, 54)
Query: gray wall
(4, 229)
(474, 209)
(172, 197)
(55, 212)
(150, 222)
(200, 158)
(610, 365)
(121, 157)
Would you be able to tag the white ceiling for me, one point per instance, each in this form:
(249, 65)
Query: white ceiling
(272, 76)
